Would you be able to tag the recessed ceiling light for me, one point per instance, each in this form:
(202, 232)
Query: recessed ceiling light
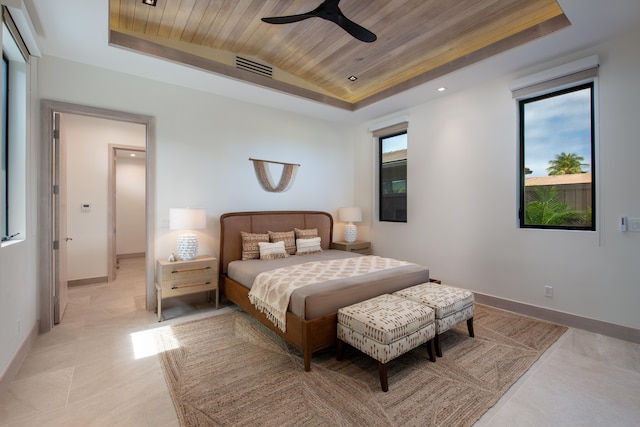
(132, 154)
(442, 89)
(150, 2)
(353, 78)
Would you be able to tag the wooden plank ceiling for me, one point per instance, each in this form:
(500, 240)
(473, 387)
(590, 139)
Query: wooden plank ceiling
(418, 40)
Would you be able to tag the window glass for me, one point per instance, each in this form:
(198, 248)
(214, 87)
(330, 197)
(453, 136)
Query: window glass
(393, 177)
(14, 138)
(4, 182)
(557, 160)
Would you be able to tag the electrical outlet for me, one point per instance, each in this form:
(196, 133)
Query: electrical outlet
(634, 224)
(548, 291)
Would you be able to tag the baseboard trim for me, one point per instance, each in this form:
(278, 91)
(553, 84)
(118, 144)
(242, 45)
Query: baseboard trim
(571, 320)
(133, 255)
(88, 281)
(14, 366)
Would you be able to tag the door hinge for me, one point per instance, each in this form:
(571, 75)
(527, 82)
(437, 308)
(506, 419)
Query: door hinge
(56, 245)
(56, 133)
(56, 189)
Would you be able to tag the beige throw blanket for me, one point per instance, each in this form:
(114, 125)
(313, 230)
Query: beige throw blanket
(272, 290)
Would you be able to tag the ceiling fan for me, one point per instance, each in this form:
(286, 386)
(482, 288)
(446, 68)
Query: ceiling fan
(330, 11)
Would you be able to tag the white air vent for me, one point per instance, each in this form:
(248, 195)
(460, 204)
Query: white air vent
(253, 66)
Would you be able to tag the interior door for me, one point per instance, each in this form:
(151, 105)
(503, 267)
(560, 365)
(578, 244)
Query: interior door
(60, 237)
(112, 241)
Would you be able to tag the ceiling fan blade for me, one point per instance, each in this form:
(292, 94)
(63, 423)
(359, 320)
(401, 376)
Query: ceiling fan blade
(330, 11)
(287, 19)
(356, 30)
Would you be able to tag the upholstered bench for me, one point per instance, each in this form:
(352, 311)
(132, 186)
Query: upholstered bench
(384, 328)
(451, 305)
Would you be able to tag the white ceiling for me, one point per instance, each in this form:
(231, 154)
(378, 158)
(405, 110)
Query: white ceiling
(77, 30)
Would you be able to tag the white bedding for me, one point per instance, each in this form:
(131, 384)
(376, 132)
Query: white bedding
(271, 290)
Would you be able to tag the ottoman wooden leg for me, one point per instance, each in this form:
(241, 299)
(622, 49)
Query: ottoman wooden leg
(431, 349)
(384, 383)
(438, 345)
(470, 326)
(339, 350)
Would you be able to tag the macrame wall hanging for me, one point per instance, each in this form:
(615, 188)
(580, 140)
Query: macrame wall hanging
(266, 181)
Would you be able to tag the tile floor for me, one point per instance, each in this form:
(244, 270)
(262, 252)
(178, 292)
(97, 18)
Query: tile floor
(87, 372)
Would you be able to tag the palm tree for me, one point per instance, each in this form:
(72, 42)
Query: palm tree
(565, 164)
(546, 209)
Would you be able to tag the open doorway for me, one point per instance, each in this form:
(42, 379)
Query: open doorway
(126, 209)
(93, 172)
(53, 290)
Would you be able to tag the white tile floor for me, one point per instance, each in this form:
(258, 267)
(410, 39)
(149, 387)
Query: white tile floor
(85, 371)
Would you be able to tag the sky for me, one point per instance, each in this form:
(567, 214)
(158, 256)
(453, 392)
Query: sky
(555, 125)
(395, 143)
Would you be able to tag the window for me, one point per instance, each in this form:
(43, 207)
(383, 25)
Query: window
(557, 159)
(393, 175)
(14, 133)
(4, 163)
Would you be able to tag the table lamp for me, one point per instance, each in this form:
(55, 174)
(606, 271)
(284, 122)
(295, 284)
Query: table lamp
(187, 219)
(350, 215)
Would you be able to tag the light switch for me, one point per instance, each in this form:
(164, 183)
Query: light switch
(85, 207)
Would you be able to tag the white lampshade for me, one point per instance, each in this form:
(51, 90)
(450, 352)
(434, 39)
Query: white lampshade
(350, 215)
(187, 219)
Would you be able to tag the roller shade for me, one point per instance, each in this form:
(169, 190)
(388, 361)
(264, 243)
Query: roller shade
(571, 74)
(389, 130)
(15, 33)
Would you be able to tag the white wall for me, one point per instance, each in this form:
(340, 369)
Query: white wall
(204, 142)
(19, 287)
(130, 205)
(462, 213)
(87, 140)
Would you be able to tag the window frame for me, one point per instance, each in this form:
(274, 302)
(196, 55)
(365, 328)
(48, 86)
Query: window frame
(522, 102)
(381, 136)
(4, 149)
(14, 193)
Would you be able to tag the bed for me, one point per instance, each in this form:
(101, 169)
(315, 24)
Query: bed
(311, 322)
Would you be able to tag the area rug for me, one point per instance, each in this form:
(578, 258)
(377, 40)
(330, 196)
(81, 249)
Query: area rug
(231, 370)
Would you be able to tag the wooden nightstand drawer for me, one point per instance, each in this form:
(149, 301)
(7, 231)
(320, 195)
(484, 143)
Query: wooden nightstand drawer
(187, 285)
(186, 269)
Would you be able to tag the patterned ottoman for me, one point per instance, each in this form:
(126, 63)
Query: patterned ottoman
(384, 328)
(451, 305)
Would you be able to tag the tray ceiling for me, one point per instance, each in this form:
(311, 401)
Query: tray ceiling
(418, 41)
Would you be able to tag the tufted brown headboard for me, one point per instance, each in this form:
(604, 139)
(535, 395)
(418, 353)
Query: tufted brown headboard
(231, 224)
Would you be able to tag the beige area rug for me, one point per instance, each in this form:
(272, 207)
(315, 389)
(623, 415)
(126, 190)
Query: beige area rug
(231, 370)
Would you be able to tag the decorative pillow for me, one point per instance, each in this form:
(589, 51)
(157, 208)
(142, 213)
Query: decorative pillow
(308, 246)
(288, 237)
(306, 234)
(250, 248)
(272, 250)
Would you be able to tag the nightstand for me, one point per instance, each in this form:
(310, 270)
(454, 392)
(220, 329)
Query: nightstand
(360, 247)
(178, 278)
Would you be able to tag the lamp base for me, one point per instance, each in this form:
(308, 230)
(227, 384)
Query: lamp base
(350, 233)
(187, 247)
